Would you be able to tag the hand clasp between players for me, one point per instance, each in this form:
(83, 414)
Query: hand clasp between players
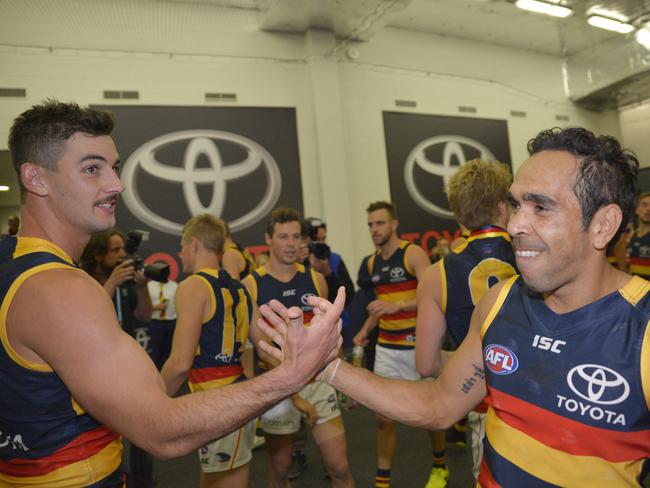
(306, 350)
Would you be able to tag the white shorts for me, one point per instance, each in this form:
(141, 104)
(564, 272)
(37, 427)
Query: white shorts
(284, 418)
(230, 452)
(395, 363)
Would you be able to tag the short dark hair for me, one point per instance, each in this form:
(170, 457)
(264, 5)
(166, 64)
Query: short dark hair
(282, 215)
(383, 205)
(606, 174)
(38, 134)
(96, 249)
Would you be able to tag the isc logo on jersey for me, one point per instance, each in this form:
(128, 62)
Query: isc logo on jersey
(500, 360)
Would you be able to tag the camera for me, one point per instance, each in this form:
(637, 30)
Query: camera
(320, 250)
(158, 271)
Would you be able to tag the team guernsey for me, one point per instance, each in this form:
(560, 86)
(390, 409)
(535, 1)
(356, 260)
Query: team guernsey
(484, 259)
(395, 282)
(46, 438)
(293, 293)
(217, 361)
(249, 262)
(568, 394)
(638, 251)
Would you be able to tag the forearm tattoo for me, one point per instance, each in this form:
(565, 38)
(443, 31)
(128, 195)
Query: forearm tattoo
(478, 375)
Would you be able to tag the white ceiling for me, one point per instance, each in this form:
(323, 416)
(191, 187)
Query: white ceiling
(497, 22)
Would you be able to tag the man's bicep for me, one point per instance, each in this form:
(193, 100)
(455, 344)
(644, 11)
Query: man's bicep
(463, 378)
(75, 331)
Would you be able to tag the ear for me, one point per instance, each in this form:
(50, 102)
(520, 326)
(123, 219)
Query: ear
(32, 179)
(267, 239)
(604, 225)
(395, 224)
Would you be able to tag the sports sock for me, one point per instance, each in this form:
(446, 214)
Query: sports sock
(382, 480)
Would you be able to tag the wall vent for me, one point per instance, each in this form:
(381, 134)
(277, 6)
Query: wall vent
(406, 103)
(13, 92)
(517, 113)
(220, 97)
(121, 94)
(466, 109)
(562, 118)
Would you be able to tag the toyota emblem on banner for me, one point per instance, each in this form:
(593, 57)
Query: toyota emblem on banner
(200, 144)
(453, 150)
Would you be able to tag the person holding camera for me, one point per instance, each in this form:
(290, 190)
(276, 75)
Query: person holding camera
(105, 259)
(327, 262)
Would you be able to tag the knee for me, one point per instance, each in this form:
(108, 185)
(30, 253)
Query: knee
(339, 470)
(280, 466)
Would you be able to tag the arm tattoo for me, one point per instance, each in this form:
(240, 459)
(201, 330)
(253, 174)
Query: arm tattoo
(478, 375)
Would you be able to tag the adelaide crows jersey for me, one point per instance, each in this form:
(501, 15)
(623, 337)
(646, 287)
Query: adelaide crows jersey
(249, 262)
(568, 394)
(218, 356)
(638, 255)
(395, 281)
(46, 438)
(484, 259)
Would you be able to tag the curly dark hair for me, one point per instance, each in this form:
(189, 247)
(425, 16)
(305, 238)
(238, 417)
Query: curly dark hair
(607, 173)
(38, 135)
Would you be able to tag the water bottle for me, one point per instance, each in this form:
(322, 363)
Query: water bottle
(357, 356)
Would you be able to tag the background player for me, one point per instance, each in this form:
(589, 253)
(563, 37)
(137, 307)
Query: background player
(213, 320)
(283, 279)
(394, 271)
(451, 288)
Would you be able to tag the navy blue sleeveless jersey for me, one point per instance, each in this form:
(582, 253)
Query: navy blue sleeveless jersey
(218, 357)
(469, 271)
(568, 394)
(293, 293)
(638, 255)
(395, 281)
(46, 438)
(249, 262)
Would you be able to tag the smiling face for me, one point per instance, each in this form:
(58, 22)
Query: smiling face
(285, 242)
(82, 191)
(550, 244)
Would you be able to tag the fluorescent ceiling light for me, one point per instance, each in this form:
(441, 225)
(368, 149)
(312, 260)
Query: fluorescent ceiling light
(547, 8)
(643, 37)
(605, 12)
(610, 24)
(4, 188)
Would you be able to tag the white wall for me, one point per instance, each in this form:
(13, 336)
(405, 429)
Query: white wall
(174, 54)
(635, 129)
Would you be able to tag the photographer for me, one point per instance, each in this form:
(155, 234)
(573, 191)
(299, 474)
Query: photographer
(105, 259)
(326, 262)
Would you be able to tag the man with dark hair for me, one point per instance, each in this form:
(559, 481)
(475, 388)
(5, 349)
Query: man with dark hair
(73, 380)
(638, 247)
(395, 270)
(451, 288)
(290, 283)
(562, 351)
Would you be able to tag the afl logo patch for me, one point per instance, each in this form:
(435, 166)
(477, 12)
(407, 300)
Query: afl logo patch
(500, 360)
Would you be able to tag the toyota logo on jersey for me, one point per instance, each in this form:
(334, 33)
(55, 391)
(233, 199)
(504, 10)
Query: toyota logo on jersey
(500, 360)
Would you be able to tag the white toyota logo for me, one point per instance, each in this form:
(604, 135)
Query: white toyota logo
(452, 149)
(397, 272)
(304, 299)
(593, 382)
(201, 143)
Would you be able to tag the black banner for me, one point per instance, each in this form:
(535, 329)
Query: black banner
(423, 151)
(237, 163)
